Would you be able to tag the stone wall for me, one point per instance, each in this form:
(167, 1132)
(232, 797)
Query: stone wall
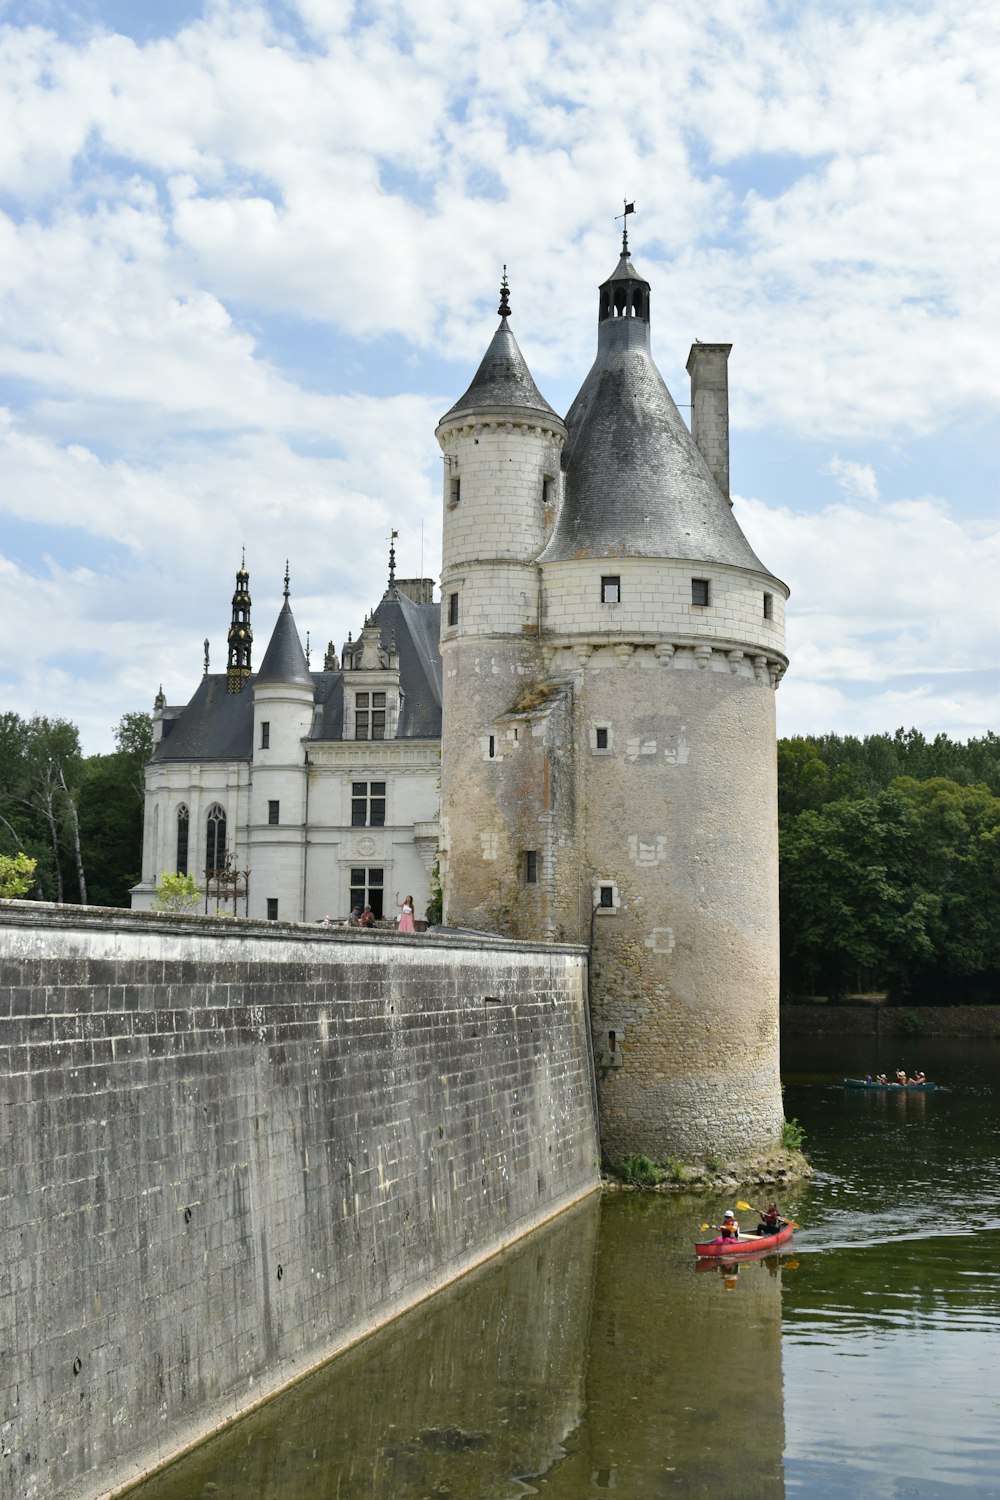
(230, 1149)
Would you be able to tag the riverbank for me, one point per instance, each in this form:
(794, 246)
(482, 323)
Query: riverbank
(775, 1169)
(878, 1020)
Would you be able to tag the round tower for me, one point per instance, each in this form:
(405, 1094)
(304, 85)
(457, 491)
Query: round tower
(283, 702)
(501, 445)
(670, 633)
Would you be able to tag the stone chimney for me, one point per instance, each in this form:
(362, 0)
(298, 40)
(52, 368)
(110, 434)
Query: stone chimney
(707, 366)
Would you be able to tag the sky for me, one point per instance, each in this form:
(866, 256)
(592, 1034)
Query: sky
(250, 254)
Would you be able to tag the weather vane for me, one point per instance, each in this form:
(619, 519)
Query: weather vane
(629, 209)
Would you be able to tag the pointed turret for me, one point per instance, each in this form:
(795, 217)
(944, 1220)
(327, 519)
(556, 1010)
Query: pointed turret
(636, 483)
(238, 667)
(503, 381)
(284, 660)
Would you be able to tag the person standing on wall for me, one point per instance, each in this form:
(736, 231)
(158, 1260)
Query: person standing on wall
(405, 923)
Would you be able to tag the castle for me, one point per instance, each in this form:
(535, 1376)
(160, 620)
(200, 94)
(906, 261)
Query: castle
(316, 790)
(609, 650)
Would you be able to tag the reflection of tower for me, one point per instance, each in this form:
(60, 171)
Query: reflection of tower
(684, 1374)
(609, 739)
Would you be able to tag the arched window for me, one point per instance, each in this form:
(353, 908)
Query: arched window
(621, 297)
(215, 839)
(638, 303)
(183, 828)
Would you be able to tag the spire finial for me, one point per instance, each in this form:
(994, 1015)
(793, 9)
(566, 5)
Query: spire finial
(205, 671)
(504, 308)
(392, 557)
(307, 649)
(286, 580)
(629, 209)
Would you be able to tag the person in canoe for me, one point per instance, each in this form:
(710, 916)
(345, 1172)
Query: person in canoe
(901, 1076)
(770, 1220)
(729, 1229)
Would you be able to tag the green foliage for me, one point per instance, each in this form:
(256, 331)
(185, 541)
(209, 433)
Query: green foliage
(640, 1171)
(890, 866)
(435, 906)
(909, 1024)
(41, 769)
(17, 874)
(713, 1163)
(111, 812)
(792, 1135)
(177, 893)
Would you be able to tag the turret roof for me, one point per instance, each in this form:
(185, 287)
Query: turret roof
(502, 380)
(636, 483)
(284, 660)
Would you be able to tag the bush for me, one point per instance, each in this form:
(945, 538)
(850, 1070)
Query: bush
(640, 1171)
(792, 1135)
(177, 893)
(17, 874)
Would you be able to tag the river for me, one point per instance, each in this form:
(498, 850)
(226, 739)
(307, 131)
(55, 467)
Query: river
(595, 1359)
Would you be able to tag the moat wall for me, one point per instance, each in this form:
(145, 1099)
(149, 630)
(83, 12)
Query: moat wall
(229, 1150)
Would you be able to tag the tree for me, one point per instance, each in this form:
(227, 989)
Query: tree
(112, 812)
(850, 912)
(17, 874)
(40, 774)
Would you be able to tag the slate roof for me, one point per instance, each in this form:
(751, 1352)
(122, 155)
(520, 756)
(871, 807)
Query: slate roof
(218, 725)
(636, 482)
(284, 660)
(502, 380)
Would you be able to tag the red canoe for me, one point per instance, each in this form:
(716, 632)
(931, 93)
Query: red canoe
(747, 1244)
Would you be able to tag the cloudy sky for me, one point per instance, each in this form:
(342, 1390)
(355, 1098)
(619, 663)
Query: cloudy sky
(249, 254)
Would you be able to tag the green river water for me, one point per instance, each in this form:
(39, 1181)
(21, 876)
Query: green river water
(595, 1360)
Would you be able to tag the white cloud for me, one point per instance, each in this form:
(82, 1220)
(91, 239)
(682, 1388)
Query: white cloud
(803, 183)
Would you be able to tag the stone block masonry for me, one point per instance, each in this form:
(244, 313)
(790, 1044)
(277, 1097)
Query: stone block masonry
(228, 1150)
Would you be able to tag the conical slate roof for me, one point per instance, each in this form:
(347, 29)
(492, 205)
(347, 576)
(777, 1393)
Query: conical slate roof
(636, 482)
(502, 380)
(284, 660)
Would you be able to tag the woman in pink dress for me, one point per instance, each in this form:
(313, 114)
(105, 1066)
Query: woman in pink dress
(405, 914)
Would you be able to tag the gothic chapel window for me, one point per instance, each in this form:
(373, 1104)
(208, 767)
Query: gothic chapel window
(183, 827)
(215, 841)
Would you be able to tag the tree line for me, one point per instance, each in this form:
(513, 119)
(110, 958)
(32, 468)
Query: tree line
(889, 849)
(78, 817)
(890, 867)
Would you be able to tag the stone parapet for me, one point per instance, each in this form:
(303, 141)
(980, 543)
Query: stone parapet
(231, 1148)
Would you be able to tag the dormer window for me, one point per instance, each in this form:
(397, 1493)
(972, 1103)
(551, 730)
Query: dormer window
(369, 716)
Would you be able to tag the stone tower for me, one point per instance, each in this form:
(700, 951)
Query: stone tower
(620, 785)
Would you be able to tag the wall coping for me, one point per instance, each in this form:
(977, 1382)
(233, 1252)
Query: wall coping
(41, 915)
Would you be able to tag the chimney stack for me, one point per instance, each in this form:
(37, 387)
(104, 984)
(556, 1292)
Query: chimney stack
(708, 367)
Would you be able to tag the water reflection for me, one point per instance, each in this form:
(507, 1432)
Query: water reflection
(597, 1360)
(564, 1369)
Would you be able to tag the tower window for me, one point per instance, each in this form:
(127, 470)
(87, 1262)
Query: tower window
(611, 589)
(493, 747)
(368, 804)
(367, 888)
(272, 908)
(607, 896)
(546, 490)
(369, 716)
(601, 737)
(265, 735)
(699, 591)
(183, 828)
(272, 812)
(452, 609)
(768, 606)
(531, 866)
(454, 490)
